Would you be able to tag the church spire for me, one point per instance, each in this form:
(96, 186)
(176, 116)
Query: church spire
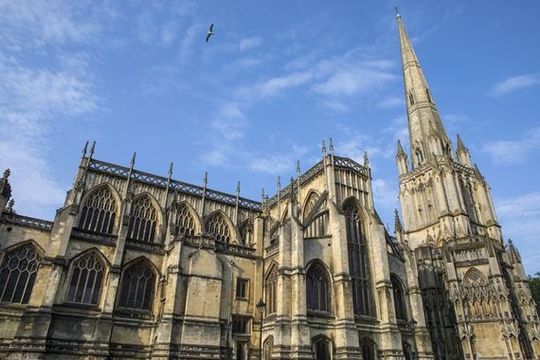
(427, 136)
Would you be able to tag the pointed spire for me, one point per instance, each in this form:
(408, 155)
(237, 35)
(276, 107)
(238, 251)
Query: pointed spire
(170, 172)
(323, 148)
(298, 169)
(279, 184)
(366, 159)
(397, 222)
(7, 172)
(331, 146)
(400, 152)
(238, 188)
(423, 117)
(85, 148)
(205, 180)
(132, 162)
(92, 148)
(460, 146)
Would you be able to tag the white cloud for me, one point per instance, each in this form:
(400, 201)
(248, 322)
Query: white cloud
(385, 195)
(31, 102)
(519, 219)
(391, 102)
(230, 122)
(353, 80)
(511, 152)
(514, 84)
(276, 164)
(249, 43)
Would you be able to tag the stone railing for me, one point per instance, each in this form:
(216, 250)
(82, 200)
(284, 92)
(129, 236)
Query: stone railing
(144, 246)
(81, 234)
(220, 246)
(26, 221)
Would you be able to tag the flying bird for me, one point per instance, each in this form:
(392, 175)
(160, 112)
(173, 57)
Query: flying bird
(210, 32)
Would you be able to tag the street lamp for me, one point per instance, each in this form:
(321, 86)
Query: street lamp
(261, 307)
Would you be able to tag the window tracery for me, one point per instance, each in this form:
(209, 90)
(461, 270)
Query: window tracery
(184, 220)
(358, 261)
(87, 274)
(246, 232)
(318, 288)
(138, 283)
(310, 203)
(143, 220)
(270, 291)
(217, 226)
(18, 274)
(99, 212)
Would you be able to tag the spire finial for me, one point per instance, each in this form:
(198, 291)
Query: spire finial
(85, 148)
(331, 146)
(297, 169)
(92, 148)
(397, 222)
(397, 12)
(366, 159)
(169, 173)
(323, 148)
(400, 152)
(238, 187)
(132, 162)
(262, 195)
(205, 181)
(279, 183)
(10, 205)
(7, 172)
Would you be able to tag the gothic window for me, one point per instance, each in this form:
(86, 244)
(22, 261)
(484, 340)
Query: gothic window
(246, 232)
(411, 98)
(184, 220)
(310, 203)
(138, 282)
(367, 348)
(358, 261)
(270, 291)
(143, 220)
(86, 282)
(318, 287)
(242, 288)
(18, 274)
(419, 156)
(216, 226)
(322, 347)
(99, 211)
(399, 298)
(267, 348)
(240, 325)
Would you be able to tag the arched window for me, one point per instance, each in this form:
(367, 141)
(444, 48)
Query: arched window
(407, 351)
(318, 288)
(268, 347)
(358, 261)
(310, 204)
(99, 211)
(217, 226)
(411, 98)
(86, 280)
(317, 227)
(419, 156)
(143, 220)
(399, 298)
(270, 291)
(367, 348)
(246, 232)
(322, 347)
(18, 273)
(138, 282)
(184, 220)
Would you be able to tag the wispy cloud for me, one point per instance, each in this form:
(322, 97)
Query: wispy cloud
(391, 102)
(249, 43)
(514, 84)
(278, 163)
(511, 152)
(519, 218)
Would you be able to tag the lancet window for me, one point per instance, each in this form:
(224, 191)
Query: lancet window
(143, 221)
(86, 281)
(358, 261)
(216, 226)
(270, 291)
(138, 283)
(399, 299)
(318, 288)
(246, 232)
(18, 274)
(99, 212)
(318, 226)
(184, 220)
(367, 348)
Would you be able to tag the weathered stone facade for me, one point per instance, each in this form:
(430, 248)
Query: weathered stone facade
(142, 266)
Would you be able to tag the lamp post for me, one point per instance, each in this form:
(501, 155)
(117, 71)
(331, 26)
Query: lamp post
(261, 307)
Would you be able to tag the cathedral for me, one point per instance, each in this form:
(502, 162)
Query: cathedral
(142, 266)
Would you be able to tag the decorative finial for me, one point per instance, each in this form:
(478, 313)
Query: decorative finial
(397, 12)
(7, 172)
(10, 205)
(92, 148)
(366, 159)
(205, 179)
(85, 148)
(132, 162)
(262, 195)
(170, 169)
(298, 168)
(279, 183)
(331, 146)
(323, 148)
(397, 222)
(238, 187)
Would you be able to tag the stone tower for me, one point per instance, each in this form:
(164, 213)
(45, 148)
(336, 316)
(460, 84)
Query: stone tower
(475, 295)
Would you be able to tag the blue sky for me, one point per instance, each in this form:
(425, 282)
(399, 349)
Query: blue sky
(278, 77)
